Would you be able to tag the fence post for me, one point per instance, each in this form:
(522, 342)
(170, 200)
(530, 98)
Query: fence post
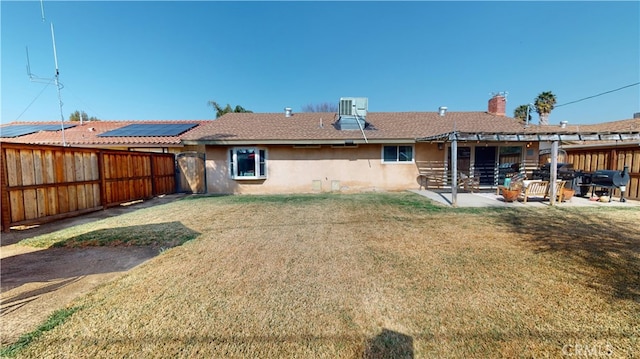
(103, 180)
(154, 191)
(177, 178)
(6, 206)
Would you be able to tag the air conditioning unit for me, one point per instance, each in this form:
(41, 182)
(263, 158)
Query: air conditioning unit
(353, 106)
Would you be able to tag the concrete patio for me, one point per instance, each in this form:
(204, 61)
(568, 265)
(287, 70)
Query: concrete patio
(489, 198)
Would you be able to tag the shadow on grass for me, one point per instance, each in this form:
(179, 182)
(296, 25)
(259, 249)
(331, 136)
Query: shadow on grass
(18, 301)
(389, 344)
(55, 319)
(168, 234)
(20, 233)
(608, 245)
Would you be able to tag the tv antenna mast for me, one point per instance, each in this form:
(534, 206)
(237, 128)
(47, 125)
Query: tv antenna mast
(42, 9)
(56, 79)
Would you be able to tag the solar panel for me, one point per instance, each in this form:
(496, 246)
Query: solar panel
(21, 130)
(150, 130)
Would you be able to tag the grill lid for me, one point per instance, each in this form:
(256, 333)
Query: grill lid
(611, 178)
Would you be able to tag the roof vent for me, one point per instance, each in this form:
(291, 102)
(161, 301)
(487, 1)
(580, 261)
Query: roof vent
(287, 112)
(442, 110)
(563, 124)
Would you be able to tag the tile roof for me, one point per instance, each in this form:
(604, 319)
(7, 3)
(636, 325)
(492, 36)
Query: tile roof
(87, 134)
(309, 127)
(630, 125)
(319, 126)
(623, 126)
(383, 126)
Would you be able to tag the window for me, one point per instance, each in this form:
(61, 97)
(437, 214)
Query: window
(248, 163)
(391, 154)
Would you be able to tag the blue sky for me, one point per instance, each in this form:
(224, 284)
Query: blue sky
(161, 60)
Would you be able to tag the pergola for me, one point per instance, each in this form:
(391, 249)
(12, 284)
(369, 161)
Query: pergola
(529, 135)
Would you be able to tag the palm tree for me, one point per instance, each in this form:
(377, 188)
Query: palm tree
(545, 102)
(522, 113)
(227, 109)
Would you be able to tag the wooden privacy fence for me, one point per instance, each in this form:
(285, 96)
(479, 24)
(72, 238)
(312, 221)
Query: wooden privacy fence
(593, 159)
(44, 183)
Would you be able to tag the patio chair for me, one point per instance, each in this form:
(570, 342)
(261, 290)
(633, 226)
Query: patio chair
(535, 189)
(468, 183)
(559, 192)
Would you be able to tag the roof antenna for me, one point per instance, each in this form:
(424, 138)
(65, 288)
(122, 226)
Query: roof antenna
(56, 79)
(59, 86)
(42, 9)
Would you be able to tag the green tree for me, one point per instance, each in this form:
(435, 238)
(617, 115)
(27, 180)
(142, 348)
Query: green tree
(320, 107)
(78, 116)
(227, 109)
(522, 113)
(545, 102)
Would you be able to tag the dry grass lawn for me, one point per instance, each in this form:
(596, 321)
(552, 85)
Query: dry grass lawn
(365, 276)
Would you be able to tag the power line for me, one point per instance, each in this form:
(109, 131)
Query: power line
(84, 103)
(34, 99)
(600, 94)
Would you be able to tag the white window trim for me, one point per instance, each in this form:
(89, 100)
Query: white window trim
(233, 163)
(413, 155)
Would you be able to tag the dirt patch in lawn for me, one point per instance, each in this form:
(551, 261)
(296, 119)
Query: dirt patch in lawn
(35, 282)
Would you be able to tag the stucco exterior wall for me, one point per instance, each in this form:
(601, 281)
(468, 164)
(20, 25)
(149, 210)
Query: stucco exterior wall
(324, 169)
(430, 152)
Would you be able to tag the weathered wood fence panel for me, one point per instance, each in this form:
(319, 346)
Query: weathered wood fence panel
(593, 159)
(45, 183)
(127, 176)
(164, 169)
(190, 172)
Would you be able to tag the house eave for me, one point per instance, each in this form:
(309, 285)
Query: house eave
(358, 141)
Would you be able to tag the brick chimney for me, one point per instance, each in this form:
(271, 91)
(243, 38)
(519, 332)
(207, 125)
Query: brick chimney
(497, 105)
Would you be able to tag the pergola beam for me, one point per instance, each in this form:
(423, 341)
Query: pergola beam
(527, 137)
(554, 173)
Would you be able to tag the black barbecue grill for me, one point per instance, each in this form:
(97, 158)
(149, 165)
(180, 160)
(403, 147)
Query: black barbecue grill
(584, 181)
(565, 172)
(610, 180)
